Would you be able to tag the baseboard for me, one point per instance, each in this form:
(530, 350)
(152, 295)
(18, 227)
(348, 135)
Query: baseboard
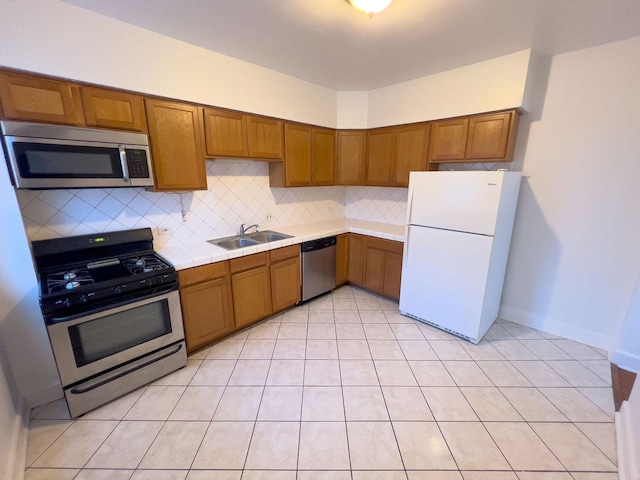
(20, 434)
(549, 325)
(628, 454)
(44, 395)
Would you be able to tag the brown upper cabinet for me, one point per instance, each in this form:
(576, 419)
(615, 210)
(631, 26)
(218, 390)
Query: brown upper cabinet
(486, 137)
(177, 150)
(323, 154)
(297, 155)
(112, 109)
(350, 157)
(379, 164)
(411, 149)
(231, 134)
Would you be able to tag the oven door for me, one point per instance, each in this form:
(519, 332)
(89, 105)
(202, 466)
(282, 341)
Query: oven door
(94, 343)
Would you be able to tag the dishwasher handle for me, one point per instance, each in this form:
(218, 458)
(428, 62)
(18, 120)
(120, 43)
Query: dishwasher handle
(318, 244)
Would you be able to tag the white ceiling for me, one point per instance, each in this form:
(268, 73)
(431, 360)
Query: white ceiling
(329, 43)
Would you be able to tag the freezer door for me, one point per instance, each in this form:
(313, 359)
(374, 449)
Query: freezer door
(461, 201)
(444, 277)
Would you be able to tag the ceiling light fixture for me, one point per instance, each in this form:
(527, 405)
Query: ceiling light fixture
(370, 7)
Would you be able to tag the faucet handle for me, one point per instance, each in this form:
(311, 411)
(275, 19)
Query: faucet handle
(242, 228)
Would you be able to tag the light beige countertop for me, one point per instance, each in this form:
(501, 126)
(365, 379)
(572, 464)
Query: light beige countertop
(201, 253)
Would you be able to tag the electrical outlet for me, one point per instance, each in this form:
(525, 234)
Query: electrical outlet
(164, 231)
(269, 217)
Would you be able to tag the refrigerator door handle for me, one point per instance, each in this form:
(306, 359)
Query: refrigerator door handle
(405, 251)
(409, 204)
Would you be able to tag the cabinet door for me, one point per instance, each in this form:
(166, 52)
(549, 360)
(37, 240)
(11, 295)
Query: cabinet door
(392, 275)
(412, 142)
(323, 155)
(251, 295)
(207, 312)
(264, 137)
(39, 100)
(374, 260)
(449, 140)
(285, 283)
(342, 259)
(110, 109)
(225, 133)
(380, 146)
(488, 136)
(297, 155)
(356, 258)
(177, 152)
(350, 158)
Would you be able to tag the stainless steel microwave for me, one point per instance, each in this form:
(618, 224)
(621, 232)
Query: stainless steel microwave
(43, 156)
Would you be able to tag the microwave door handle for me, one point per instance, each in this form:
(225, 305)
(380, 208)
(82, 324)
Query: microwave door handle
(123, 162)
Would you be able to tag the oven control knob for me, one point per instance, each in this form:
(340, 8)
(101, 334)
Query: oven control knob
(66, 303)
(117, 290)
(83, 299)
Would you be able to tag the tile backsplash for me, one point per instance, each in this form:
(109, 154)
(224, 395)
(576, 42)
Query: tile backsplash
(377, 204)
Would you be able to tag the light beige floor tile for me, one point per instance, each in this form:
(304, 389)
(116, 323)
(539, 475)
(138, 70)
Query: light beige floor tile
(344, 304)
(213, 372)
(603, 435)
(224, 446)
(413, 439)
(496, 332)
(472, 447)
(199, 354)
(77, 443)
(540, 374)
(92, 474)
(388, 305)
(358, 372)
(370, 304)
(353, 350)
(435, 475)
(406, 331)
(575, 406)
(594, 476)
(521, 332)
(296, 315)
(544, 476)
(532, 405)
(322, 303)
(577, 374)
(250, 372)
(269, 475)
(378, 331)
(286, 372)
(364, 403)
(602, 368)
(406, 404)
(350, 331)
(159, 475)
(601, 397)
(50, 474)
(380, 475)
(323, 445)
(176, 446)
(228, 349)
(281, 404)
(116, 409)
(182, 376)
(417, 350)
(490, 405)
(342, 291)
(522, 447)
(368, 317)
(42, 433)
(347, 316)
(512, 349)
(126, 445)
(324, 475)
(274, 446)
(489, 476)
(321, 316)
(214, 475)
(293, 331)
(545, 350)
(433, 333)
(386, 350)
(290, 350)
(259, 349)
(467, 373)
(503, 374)
(264, 330)
(56, 410)
(239, 403)
(322, 404)
(482, 351)
(322, 349)
(396, 317)
(449, 350)
(197, 403)
(395, 372)
(372, 446)
(573, 448)
(579, 351)
(322, 331)
(448, 404)
(322, 372)
(431, 374)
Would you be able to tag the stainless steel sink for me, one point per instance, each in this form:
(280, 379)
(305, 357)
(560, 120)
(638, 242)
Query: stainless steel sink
(240, 241)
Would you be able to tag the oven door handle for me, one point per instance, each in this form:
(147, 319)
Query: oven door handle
(98, 382)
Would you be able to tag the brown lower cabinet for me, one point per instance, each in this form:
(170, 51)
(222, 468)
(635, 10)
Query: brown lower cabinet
(251, 286)
(342, 259)
(207, 309)
(285, 277)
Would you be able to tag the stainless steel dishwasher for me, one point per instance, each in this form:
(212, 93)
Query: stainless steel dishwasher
(318, 267)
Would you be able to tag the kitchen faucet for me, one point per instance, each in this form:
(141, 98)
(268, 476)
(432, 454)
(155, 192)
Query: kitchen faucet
(243, 230)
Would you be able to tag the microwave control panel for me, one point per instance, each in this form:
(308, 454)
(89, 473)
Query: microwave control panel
(137, 163)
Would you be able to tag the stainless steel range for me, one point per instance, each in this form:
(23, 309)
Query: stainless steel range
(112, 311)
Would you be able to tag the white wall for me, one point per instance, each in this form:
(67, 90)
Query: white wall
(353, 108)
(574, 258)
(55, 38)
(492, 85)
(626, 351)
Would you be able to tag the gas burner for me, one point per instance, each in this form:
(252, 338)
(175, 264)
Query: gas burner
(144, 264)
(140, 262)
(68, 280)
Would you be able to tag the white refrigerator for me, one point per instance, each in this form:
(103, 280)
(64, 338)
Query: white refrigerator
(457, 240)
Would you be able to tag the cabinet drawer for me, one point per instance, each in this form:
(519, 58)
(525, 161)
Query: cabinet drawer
(250, 261)
(283, 253)
(386, 245)
(191, 276)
